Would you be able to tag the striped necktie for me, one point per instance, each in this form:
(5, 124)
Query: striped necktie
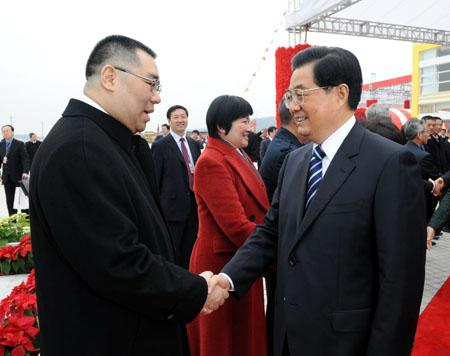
(315, 174)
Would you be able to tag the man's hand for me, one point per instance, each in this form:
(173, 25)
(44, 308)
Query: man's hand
(430, 235)
(438, 186)
(218, 287)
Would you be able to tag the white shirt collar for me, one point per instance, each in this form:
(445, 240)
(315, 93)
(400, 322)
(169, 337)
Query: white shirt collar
(334, 141)
(331, 145)
(177, 137)
(89, 101)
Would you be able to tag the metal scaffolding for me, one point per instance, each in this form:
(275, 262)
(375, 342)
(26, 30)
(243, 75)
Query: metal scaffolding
(306, 16)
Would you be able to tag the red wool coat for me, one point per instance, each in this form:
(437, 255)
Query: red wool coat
(231, 200)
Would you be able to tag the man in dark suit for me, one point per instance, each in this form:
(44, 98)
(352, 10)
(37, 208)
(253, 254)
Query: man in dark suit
(271, 131)
(32, 146)
(435, 145)
(106, 278)
(417, 136)
(175, 156)
(165, 129)
(195, 135)
(346, 225)
(15, 165)
(285, 141)
(252, 149)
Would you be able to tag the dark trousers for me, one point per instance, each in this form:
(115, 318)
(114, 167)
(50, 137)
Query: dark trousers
(10, 190)
(184, 234)
(285, 347)
(271, 282)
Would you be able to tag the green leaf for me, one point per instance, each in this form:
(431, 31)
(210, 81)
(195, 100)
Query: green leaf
(18, 265)
(6, 267)
(3, 242)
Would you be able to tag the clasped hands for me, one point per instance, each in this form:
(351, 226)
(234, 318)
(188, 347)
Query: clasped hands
(438, 186)
(218, 287)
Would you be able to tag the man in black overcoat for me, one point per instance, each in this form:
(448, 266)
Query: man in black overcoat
(106, 278)
(32, 146)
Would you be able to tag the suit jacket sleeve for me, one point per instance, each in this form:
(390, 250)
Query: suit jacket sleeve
(442, 213)
(259, 250)
(25, 159)
(400, 246)
(92, 205)
(429, 169)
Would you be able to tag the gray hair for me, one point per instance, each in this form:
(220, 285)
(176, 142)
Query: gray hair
(378, 112)
(412, 128)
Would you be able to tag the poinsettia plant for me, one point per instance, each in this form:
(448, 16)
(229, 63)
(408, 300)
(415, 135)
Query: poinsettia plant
(16, 259)
(19, 326)
(13, 227)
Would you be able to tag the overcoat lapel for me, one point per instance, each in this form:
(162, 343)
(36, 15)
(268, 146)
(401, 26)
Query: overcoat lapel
(249, 177)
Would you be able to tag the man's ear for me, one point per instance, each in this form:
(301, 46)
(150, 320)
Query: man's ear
(343, 92)
(108, 77)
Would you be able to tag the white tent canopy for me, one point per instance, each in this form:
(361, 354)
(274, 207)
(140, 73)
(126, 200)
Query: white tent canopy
(407, 20)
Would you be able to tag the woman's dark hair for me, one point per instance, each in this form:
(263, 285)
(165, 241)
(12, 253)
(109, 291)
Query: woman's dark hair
(223, 111)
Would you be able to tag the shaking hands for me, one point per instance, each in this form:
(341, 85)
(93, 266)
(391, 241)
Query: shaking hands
(438, 186)
(218, 287)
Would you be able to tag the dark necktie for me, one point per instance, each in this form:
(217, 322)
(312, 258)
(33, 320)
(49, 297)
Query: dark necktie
(187, 161)
(315, 174)
(8, 146)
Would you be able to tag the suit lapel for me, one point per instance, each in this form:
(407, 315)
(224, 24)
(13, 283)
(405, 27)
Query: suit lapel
(193, 147)
(337, 173)
(300, 181)
(174, 147)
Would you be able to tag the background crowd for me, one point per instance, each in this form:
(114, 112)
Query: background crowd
(141, 242)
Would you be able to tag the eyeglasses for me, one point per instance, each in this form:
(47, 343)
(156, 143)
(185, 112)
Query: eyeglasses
(155, 85)
(297, 96)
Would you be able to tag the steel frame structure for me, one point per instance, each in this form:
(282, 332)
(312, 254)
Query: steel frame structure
(324, 22)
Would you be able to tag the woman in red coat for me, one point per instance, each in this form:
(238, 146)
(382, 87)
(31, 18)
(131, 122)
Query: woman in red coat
(231, 200)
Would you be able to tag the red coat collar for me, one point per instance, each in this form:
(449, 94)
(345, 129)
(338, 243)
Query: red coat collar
(250, 178)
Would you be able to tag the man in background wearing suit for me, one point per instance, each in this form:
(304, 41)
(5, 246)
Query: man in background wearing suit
(286, 140)
(106, 279)
(32, 146)
(165, 129)
(417, 136)
(271, 131)
(15, 165)
(175, 156)
(346, 226)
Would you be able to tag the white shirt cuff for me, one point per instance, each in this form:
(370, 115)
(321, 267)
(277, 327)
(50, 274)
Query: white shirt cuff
(229, 280)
